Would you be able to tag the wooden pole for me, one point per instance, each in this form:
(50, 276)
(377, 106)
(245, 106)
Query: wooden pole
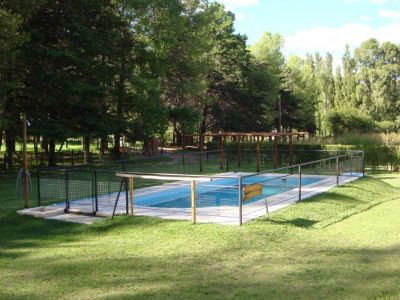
(25, 164)
(193, 202)
(258, 153)
(131, 195)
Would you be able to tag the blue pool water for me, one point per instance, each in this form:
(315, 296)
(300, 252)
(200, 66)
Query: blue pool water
(219, 192)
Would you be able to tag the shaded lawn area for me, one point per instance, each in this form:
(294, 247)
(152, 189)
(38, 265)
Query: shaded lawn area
(344, 244)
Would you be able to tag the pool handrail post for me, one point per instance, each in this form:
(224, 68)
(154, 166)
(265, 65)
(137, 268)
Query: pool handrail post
(299, 183)
(351, 164)
(126, 197)
(96, 200)
(131, 195)
(123, 180)
(337, 170)
(258, 154)
(38, 186)
(363, 163)
(240, 201)
(193, 185)
(290, 150)
(67, 204)
(275, 153)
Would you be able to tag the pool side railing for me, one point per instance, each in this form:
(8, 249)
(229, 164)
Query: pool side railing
(96, 189)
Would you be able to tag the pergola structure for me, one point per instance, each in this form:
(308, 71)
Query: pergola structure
(257, 137)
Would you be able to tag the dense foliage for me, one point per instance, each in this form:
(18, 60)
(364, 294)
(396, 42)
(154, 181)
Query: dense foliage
(132, 70)
(363, 95)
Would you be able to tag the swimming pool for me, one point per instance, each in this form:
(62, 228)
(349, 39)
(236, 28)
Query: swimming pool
(219, 192)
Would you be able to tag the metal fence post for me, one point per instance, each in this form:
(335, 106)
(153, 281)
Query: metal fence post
(299, 183)
(351, 164)
(67, 204)
(126, 196)
(201, 161)
(193, 202)
(96, 204)
(363, 163)
(38, 186)
(337, 171)
(240, 201)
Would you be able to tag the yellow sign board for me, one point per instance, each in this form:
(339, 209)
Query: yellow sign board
(251, 191)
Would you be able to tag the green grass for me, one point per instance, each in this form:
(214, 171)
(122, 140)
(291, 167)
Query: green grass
(341, 245)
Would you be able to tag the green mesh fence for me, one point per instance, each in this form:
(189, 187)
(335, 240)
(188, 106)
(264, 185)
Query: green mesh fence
(94, 188)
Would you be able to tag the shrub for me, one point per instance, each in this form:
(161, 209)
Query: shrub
(347, 120)
(387, 126)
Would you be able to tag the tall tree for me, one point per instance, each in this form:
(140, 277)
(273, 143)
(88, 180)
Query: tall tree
(349, 81)
(269, 59)
(66, 73)
(338, 97)
(11, 76)
(300, 94)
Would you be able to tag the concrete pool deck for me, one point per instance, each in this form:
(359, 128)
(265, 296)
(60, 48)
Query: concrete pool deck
(228, 215)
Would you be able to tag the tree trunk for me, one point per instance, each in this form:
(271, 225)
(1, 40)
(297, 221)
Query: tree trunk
(1, 139)
(103, 146)
(174, 133)
(10, 148)
(117, 146)
(86, 149)
(147, 151)
(203, 124)
(61, 146)
(52, 153)
(45, 145)
(35, 148)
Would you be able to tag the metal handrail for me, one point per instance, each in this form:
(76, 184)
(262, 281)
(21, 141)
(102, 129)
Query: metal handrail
(305, 164)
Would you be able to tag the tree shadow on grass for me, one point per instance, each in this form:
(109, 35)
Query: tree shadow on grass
(333, 198)
(296, 222)
(108, 225)
(316, 272)
(24, 232)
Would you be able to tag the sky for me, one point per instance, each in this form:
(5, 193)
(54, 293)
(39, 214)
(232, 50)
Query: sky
(310, 26)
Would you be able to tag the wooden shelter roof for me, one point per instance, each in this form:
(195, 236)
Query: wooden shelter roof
(250, 134)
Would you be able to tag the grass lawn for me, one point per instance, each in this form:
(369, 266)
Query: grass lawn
(341, 245)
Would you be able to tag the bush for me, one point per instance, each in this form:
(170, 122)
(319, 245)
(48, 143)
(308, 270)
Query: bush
(338, 122)
(387, 126)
